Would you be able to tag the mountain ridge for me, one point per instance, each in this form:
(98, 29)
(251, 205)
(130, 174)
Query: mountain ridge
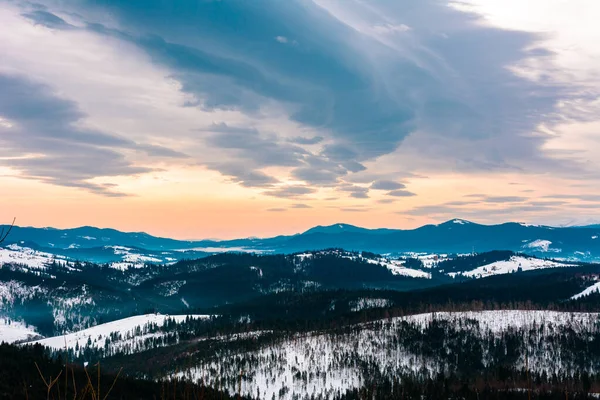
(452, 236)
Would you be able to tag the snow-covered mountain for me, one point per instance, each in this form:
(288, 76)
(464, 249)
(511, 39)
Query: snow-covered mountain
(454, 236)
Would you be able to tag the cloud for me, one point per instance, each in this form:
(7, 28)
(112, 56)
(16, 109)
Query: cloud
(595, 206)
(369, 90)
(386, 201)
(301, 205)
(276, 209)
(400, 193)
(389, 28)
(290, 191)
(357, 192)
(53, 148)
(306, 140)
(387, 185)
(47, 19)
(459, 203)
(250, 145)
(317, 176)
(241, 174)
(504, 199)
(581, 197)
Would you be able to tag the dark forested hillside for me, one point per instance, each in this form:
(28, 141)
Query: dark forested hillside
(27, 373)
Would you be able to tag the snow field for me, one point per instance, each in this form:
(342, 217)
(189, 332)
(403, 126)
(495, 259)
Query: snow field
(328, 364)
(127, 328)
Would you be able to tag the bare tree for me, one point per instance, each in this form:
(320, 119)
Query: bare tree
(3, 235)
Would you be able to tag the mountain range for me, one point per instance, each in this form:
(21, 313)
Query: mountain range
(451, 237)
(405, 305)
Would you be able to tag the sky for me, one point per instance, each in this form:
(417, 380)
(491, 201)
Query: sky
(232, 118)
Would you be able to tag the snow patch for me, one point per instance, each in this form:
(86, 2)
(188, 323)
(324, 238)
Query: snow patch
(15, 254)
(13, 331)
(513, 265)
(595, 288)
(130, 329)
(540, 245)
(366, 303)
(322, 365)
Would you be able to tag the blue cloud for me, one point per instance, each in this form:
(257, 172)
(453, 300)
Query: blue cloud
(47, 19)
(360, 96)
(60, 152)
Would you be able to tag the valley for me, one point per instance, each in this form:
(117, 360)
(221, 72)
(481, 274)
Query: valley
(309, 324)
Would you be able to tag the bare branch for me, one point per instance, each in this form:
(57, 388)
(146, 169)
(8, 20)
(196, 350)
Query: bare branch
(3, 235)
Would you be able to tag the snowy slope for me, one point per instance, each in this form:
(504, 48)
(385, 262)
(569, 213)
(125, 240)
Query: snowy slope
(15, 254)
(12, 331)
(14, 291)
(326, 364)
(397, 268)
(595, 288)
(131, 259)
(541, 245)
(127, 328)
(512, 265)
(501, 320)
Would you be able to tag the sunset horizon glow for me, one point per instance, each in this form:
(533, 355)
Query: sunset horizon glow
(232, 119)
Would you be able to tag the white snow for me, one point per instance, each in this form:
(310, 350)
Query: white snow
(512, 265)
(130, 259)
(594, 237)
(429, 260)
(169, 288)
(303, 256)
(397, 268)
(540, 245)
(394, 265)
(234, 249)
(14, 291)
(500, 320)
(126, 327)
(366, 303)
(595, 288)
(326, 364)
(15, 254)
(13, 331)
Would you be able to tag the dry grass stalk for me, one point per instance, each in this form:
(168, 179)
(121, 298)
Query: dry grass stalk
(48, 385)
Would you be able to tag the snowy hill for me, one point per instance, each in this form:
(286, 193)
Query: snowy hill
(14, 331)
(16, 254)
(326, 364)
(122, 335)
(514, 264)
(595, 288)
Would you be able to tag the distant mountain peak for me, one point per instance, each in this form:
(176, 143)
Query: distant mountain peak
(457, 221)
(335, 228)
